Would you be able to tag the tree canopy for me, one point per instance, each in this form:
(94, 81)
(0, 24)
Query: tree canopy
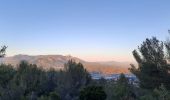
(153, 69)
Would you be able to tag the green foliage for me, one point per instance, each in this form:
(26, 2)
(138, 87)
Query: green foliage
(6, 74)
(153, 69)
(54, 96)
(28, 77)
(51, 96)
(161, 93)
(28, 82)
(76, 73)
(74, 77)
(122, 80)
(23, 83)
(92, 93)
(147, 97)
(123, 89)
(2, 51)
(43, 98)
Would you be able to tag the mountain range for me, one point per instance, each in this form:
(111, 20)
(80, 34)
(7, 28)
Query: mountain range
(58, 61)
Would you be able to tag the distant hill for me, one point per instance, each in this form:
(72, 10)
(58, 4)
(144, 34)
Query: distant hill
(58, 61)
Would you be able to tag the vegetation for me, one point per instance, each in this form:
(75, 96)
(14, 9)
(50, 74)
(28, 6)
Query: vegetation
(93, 93)
(2, 51)
(153, 69)
(29, 82)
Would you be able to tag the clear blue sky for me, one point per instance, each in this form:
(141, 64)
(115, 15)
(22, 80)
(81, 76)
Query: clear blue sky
(90, 29)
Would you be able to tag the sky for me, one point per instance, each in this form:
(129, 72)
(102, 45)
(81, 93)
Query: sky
(93, 30)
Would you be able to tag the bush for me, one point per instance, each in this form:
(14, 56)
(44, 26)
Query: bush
(92, 93)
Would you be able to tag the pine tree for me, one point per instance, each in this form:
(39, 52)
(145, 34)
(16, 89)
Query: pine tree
(153, 69)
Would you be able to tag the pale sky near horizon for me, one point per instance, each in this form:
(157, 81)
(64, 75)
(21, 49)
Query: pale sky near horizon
(94, 30)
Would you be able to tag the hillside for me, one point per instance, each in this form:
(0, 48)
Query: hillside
(58, 61)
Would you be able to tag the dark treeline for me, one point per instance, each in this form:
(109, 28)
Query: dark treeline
(29, 82)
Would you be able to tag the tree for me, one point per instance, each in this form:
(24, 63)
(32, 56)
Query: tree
(54, 96)
(26, 82)
(93, 93)
(3, 51)
(6, 71)
(6, 74)
(161, 93)
(153, 69)
(123, 89)
(122, 80)
(167, 45)
(51, 96)
(73, 78)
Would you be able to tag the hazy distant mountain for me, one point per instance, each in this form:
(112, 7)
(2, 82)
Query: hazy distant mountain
(58, 61)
